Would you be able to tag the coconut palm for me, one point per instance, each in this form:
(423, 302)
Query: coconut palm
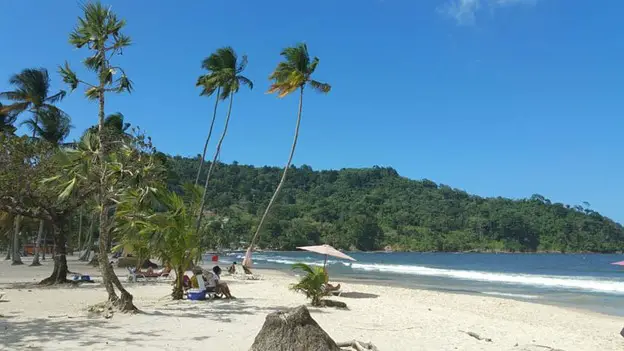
(51, 125)
(210, 83)
(295, 73)
(312, 283)
(167, 233)
(32, 93)
(226, 77)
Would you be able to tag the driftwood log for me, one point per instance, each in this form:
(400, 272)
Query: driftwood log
(292, 330)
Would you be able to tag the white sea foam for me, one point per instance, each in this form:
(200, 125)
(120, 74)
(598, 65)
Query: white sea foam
(521, 296)
(560, 282)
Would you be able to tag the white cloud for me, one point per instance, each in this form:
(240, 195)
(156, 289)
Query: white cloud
(465, 11)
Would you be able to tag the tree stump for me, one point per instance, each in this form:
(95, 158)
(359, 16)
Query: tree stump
(292, 330)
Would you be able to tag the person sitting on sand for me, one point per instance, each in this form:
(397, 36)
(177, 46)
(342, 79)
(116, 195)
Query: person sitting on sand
(232, 269)
(327, 286)
(215, 282)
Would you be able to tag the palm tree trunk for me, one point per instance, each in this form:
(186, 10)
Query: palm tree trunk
(279, 186)
(17, 259)
(110, 280)
(79, 230)
(35, 261)
(214, 116)
(45, 245)
(87, 244)
(9, 246)
(212, 165)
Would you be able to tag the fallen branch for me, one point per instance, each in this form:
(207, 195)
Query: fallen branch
(476, 336)
(358, 345)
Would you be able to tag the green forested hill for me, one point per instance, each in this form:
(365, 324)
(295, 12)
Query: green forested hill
(369, 209)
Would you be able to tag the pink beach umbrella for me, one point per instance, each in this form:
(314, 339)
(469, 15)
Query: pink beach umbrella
(326, 250)
(621, 263)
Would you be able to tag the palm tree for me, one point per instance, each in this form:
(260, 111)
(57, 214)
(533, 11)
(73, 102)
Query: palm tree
(100, 31)
(227, 76)
(51, 125)
(32, 89)
(312, 283)
(167, 233)
(32, 93)
(209, 83)
(292, 74)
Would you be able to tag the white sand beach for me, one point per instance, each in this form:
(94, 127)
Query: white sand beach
(39, 318)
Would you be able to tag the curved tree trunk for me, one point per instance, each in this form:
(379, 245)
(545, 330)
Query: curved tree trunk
(123, 303)
(59, 274)
(203, 157)
(246, 261)
(200, 215)
(89, 241)
(17, 259)
(35, 261)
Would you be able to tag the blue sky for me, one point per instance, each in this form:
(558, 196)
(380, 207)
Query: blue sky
(496, 97)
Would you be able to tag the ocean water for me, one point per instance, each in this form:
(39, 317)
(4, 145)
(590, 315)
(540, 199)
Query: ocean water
(584, 281)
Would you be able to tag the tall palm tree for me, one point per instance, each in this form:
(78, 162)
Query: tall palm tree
(295, 73)
(226, 76)
(209, 83)
(32, 93)
(100, 31)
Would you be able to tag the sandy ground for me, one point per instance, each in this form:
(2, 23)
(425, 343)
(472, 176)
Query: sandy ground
(36, 318)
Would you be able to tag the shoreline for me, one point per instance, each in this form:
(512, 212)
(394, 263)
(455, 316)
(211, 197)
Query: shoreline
(393, 318)
(512, 297)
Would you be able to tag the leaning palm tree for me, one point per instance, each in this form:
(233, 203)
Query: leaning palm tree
(295, 73)
(32, 93)
(227, 76)
(209, 83)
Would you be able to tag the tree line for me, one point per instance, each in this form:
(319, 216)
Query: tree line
(376, 208)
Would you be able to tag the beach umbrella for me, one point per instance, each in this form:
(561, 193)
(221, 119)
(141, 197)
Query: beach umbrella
(621, 263)
(326, 250)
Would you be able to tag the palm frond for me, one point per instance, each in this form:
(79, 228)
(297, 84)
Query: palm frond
(245, 81)
(320, 87)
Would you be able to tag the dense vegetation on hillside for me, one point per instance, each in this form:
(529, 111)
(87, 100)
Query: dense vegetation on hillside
(369, 209)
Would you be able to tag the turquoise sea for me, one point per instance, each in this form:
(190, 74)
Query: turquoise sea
(584, 281)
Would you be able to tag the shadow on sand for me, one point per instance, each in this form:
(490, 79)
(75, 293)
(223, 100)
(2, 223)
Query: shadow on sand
(358, 295)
